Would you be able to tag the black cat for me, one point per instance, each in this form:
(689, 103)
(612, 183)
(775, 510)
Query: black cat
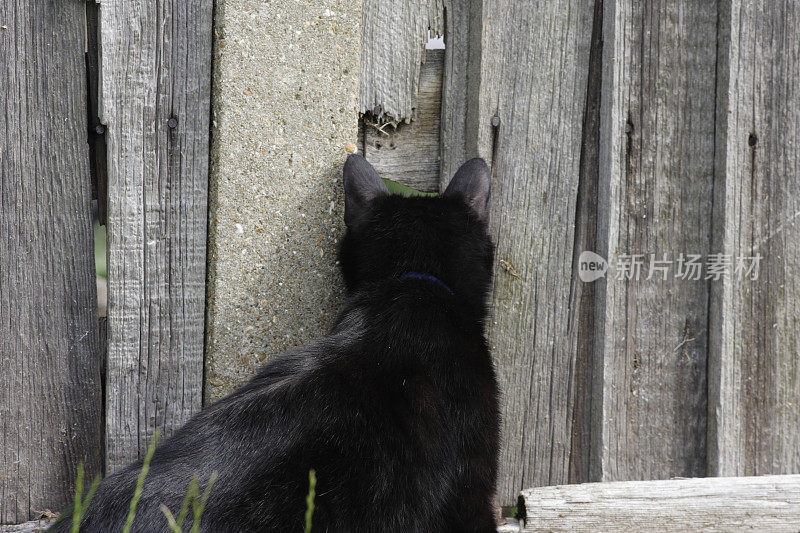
(395, 409)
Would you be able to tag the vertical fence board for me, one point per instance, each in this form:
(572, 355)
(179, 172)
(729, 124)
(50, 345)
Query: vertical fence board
(154, 100)
(754, 403)
(655, 197)
(50, 391)
(460, 81)
(394, 33)
(533, 72)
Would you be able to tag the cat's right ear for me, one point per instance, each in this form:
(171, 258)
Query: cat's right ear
(472, 184)
(362, 185)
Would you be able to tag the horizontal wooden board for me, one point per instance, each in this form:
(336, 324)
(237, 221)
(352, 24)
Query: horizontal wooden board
(768, 503)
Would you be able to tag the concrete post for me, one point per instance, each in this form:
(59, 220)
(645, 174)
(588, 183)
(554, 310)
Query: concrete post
(284, 108)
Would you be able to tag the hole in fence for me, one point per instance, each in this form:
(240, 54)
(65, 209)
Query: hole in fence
(435, 42)
(100, 261)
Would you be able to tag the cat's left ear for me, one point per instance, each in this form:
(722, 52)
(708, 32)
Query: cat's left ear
(472, 184)
(362, 185)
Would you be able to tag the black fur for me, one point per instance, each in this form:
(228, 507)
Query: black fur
(395, 409)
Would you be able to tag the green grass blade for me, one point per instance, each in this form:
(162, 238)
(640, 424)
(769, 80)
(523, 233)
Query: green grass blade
(191, 493)
(81, 505)
(140, 483)
(404, 190)
(173, 525)
(312, 492)
(207, 493)
(92, 490)
(77, 511)
(200, 503)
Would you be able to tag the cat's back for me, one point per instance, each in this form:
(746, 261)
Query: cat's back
(426, 389)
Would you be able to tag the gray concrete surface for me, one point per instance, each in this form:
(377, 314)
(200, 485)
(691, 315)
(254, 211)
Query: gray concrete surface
(284, 106)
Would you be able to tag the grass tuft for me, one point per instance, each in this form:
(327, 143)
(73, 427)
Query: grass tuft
(312, 492)
(193, 498)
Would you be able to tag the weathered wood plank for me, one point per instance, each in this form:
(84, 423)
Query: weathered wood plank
(154, 100)
(460, 82)
(656, 164)
(769, 503)
(34, 526)
(533, 72)
(409, 152)
(50, 393)
(394, 33)
(754, 368)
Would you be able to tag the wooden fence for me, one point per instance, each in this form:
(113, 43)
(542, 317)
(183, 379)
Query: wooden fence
(136, 76)
(615, 126)
(620, 127)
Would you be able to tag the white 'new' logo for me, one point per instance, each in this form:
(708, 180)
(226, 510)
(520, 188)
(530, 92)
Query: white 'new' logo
(591, 266)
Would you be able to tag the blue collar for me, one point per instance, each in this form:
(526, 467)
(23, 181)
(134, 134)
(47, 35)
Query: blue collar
(427, 277)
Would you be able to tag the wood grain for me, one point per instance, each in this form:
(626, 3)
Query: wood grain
(754, 369)
(460, 85)
(50, 395)
(768, 503)
(533, 80)
(655, 191)
(154, 100)
(409, 152)
(394, 33)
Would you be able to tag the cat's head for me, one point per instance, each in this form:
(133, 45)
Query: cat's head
(389, 236)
